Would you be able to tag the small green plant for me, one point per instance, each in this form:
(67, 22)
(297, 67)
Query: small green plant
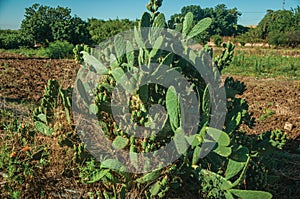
(48, 64)
(57, 50)
(6, 67)
(267, 113)
(77, 52)
(225, 59)
(277, 138)
(217, 40)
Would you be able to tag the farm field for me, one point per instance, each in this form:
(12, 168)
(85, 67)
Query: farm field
(274, 102)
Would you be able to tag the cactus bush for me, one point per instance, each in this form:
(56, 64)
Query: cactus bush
(218, 175)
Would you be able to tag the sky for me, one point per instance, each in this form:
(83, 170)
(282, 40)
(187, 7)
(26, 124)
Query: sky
(12, 11)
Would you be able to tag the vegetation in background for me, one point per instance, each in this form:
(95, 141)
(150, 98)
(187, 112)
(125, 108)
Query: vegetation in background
(217, 40)
(13, 39)
(57, 50)
(278, 28)
(224, 21)
(100, 30)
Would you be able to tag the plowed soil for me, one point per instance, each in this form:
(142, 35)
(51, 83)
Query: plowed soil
(275, 103)
(25, 78)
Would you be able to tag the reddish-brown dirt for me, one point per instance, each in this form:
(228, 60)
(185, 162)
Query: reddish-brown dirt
(25, 78)
(275, 104)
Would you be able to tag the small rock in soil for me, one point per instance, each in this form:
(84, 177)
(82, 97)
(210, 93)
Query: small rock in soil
(288, 126)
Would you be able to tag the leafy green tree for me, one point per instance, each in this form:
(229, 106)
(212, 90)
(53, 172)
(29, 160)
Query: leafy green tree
(44, 24)
(79, 31)
(278, 21)
(101, 30)
(296, 12)
(60, 23)
(280, 27)
(197, 11)
(37, 24)
(12, 39)
(224, 19)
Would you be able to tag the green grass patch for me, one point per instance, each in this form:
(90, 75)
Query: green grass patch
(266, 64)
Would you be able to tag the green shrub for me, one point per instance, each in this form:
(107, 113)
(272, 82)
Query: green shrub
(57, 50)
(290, 39)
(13, 39)
(276, 38)
(293, 38)
(217, 40)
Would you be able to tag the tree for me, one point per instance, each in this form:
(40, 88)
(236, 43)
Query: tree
(79, 31)
(44, 24)
(224, 19)
(101, 30)
(278, 21)
(12, 39)
(60, 23)
(280, 27)
(37, 24)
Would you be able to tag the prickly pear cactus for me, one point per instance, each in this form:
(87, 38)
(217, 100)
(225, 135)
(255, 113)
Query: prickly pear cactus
(44, 115)
(226, 57)
(165, 108)
(77, 52)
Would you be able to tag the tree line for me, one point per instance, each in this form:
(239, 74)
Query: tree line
(43, 25)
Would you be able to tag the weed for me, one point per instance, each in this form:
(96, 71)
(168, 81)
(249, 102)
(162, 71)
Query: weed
(48, 64)
(267, 113)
